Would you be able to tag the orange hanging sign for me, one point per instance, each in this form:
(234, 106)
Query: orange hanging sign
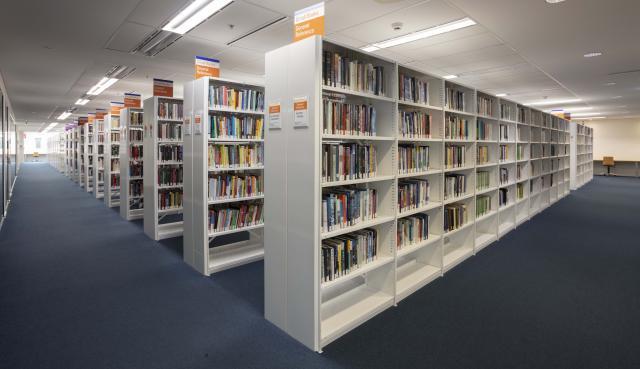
(101, 113)
(132, 100)
(116, 107)
(162, 87)
(308, 22)
(207, 67)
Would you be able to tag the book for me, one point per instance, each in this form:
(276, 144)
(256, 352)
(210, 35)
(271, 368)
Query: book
(348, 161)
(413, 194)
(413, 89)
(455, 185)
(455, 216)
(456, 128)
(340, 255)
(454, 156)
(413, 159)
(412, 230)
(342, 71)
(348, 206)
(414, 124)
(348, 119)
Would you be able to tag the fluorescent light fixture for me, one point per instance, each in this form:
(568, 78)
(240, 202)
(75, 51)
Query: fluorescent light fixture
(577, 108)
(610, 84)
(419, 35)
(554, 102)
(82, 101)
(501, 95)
(590, 118)
(617, 97)
(64, 115)
(104, 83)
(450, 76)
(49, 127)
(585, 114)
(194, 14)
(555, 1)
(593, 54)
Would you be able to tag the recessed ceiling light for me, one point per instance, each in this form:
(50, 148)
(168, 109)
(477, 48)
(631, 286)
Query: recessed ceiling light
(450, 76)
(554, 102)
(104, 83)
(501, 95)
(592, 54)
(578, 108)
(82, 101)
(194, 14)
(419, 35)
(590, 114)
(554, 1)
(64, 115)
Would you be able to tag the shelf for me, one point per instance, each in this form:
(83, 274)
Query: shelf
(357, 138)
(357, 93)
(222, 109)
(456, 257)
(431, 205)
(165, 187)
(170, 162)
(347, 311)
(459, 229)
(159, 119)
(170, 210)
(214, 170)
(357, 181)
(365, 268)
(418, 105)
(487, 165)
(458, 169)
(454, 140)
(233, 255)
(170, 142)
(408, 249)
(480, 192)
(506, 207)
(417, 139)
(362, 225)
(170, 230)
(484, 239)
(234, 140)
(213, 234)
(458, 198)
(505, 227)
(459, 112)
(414, 275)
(237, 199)
(486, 216)
(420, 174)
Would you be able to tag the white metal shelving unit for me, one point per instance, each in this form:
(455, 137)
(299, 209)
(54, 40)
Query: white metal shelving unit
(131, 164)
(199, 169)
(161, 220)
(112, 160)
(581, 155)
(76, 155)
(98, 158)
(88, 158)
(82, 154)
(507, 149)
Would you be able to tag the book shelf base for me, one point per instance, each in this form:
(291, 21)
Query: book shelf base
(233, 255)
(169, 230)
(414, 275)
(455, 257)
(347, 311)
(484, 239)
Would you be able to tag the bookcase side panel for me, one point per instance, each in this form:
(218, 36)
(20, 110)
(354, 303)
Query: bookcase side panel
(292, 200)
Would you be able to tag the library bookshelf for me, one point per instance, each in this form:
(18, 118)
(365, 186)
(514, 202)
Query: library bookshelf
(68, 153)
(581, 155)
(75, 147)
(112, 160)
(223, 174)
(163, 167)
(448, 169)
(131, 164)
(87, 157)
(82, 147)
(98, 158)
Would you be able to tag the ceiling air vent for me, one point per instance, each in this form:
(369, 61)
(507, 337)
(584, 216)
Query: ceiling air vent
(157, 41)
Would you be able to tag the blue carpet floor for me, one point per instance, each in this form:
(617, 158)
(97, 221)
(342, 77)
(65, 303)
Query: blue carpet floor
(81, 288)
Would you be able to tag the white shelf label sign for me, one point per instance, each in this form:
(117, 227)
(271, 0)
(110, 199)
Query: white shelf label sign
(187, 126)
(275, 116)
(197, 124)
(301, 112)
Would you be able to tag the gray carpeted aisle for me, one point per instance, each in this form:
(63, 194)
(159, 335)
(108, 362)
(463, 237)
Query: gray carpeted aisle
(81, 288)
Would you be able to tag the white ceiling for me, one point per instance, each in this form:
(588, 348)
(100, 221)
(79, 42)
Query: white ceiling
(52, 52)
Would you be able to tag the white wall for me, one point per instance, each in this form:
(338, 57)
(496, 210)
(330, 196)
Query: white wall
(31, 140)
(619, 138)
